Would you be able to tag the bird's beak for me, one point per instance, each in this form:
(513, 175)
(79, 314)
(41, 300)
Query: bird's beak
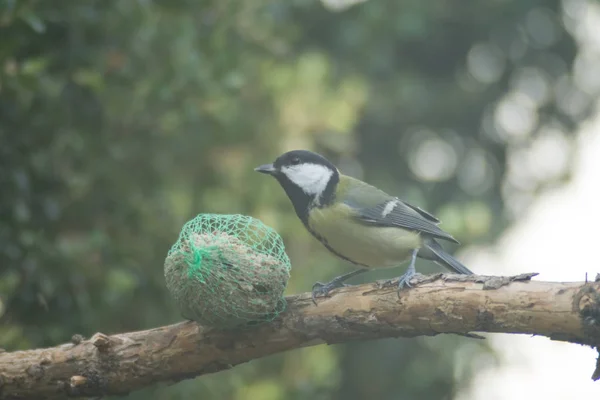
(266, 169)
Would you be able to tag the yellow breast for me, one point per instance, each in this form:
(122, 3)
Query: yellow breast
(374, 247)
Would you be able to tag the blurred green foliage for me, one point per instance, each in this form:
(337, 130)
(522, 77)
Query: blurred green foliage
(119, 121)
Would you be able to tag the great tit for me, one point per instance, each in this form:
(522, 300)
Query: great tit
(356, 221)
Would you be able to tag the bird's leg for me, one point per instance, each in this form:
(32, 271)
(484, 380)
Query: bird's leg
(323, 289)
(410, 271)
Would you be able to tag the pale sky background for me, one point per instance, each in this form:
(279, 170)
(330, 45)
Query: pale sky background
(558, 238)
(560, 222)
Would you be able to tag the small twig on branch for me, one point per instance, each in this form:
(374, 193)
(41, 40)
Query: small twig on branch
(436, 304)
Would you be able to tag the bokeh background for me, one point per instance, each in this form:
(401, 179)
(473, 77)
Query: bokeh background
(121, 120)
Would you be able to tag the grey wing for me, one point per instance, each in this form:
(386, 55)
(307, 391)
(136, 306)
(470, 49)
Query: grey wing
(423, 213)
(396, 213)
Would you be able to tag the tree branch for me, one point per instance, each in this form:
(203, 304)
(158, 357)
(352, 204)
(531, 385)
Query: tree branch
(436, 304)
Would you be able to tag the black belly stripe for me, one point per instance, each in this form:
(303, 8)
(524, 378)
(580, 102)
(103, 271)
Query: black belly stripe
(328, 247)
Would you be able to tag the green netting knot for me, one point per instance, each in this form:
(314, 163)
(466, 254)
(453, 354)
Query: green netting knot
(196, 268)
(228, 270)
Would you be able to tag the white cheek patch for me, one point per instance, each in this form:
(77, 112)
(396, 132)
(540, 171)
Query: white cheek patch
(311, 178)
(389, 207)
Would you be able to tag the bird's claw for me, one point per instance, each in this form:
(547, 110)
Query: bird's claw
(404, 281)
(320, 289)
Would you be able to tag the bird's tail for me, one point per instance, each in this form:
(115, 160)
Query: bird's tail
(441, 257)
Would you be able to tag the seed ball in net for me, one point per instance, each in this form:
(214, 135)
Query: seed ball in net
(228, 271)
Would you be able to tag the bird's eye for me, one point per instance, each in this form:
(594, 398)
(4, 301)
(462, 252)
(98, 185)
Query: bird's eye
(295, 161)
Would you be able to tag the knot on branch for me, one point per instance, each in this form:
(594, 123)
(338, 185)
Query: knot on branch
(77, 339)
(77, 381)
(103, 342)
(587, 302)
(89, 383)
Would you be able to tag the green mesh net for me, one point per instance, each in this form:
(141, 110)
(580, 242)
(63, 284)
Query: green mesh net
(226, 271)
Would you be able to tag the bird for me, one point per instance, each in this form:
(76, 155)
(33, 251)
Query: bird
(358, 222)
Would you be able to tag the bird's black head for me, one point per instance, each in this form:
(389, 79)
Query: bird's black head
(308, 179)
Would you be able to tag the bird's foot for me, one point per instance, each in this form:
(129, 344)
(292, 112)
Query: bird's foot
(404, 281)
(320, 289)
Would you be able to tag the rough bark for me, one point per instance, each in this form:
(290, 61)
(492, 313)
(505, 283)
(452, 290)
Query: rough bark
(436, 304)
